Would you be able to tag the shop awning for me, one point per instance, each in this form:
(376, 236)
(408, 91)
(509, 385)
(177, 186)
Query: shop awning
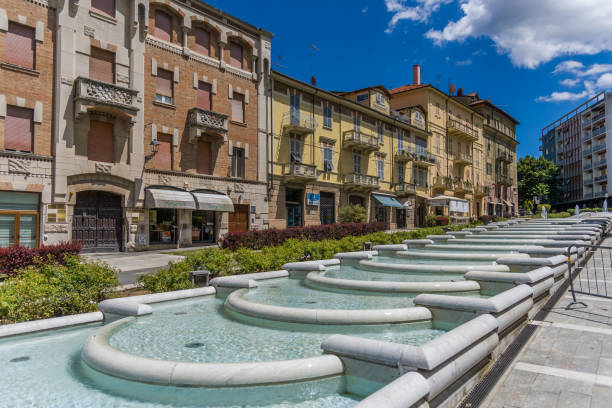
(387, 201)
(168, 198)
(213, 202)
(453, 203)
(508, 203)
(406, 202)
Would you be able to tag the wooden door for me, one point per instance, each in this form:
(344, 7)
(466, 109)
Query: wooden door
(239, 219)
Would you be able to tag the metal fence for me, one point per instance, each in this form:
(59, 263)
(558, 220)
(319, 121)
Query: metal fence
(592, 275)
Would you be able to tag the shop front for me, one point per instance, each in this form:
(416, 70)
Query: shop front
(205, 220)
(381, 204)
(168, 207)
(19, 214)
(457, 209)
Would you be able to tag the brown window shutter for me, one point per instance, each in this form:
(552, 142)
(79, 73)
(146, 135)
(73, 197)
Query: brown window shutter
(238, 108)
(203, 158)
(164, 82)
(236, 55)
(163, 157)
(203, 95)
(20, 46)
(18, 129)
(102, 65)
(101, 142)
(202, 41)
(105, 6)
(163, 26)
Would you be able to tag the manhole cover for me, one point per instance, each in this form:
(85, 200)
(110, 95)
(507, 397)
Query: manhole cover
(195, 344)
(18, 359)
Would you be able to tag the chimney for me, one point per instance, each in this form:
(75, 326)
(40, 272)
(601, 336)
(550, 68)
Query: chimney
(451, 88)
(460, 92)
(416, 75)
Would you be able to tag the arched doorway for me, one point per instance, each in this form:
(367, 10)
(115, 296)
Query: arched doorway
(97, 222)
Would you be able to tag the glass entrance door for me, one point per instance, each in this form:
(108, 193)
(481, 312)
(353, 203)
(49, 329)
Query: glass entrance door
(203, 226)
(7, 230)
(27, 230)
(294, 215)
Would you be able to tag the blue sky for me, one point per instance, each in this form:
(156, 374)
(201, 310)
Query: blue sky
(514, 52)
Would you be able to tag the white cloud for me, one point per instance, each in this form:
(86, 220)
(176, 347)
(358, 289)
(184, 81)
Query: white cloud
(479, 52)
(365, 9)
(464, 63)
(605, 81)
(568, 66)
(530, 32)
(562, 96)
(570, 82)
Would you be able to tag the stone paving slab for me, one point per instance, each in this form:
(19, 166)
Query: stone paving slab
(567, 363)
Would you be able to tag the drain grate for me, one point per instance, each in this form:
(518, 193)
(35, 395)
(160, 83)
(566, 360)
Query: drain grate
(310, 302)
(195, 344)
(180, 313)
(19, 359)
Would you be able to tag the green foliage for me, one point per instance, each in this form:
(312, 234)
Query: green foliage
(538, 177)
(528, 206)
(571, 211)
(176, 277)
(351, 213)
(430, 221)
(547, 206)
(52, 290)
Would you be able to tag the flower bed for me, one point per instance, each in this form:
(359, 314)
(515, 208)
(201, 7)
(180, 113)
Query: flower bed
(15, 258)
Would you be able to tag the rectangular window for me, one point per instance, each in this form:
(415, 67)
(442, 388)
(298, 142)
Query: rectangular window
(238, 108)
(20, 46)
(163, 157)
(18, 129)
(164, 92)
(420, 176)
(204, 99)
(380, 167)
(420, 145)
(401, 173)
(489, 169)
(101, 142)
(238, 162)
(356, 121)
(363, 97)
(380, 98)
(295, 150)
(163, 26)
(203, 158)
(102, 65)
(400, 140)
(327, 116)
(380, 134)
(104, 6)
(202, 41)
(294, 108)
(236, 55)
(357, 163)
(328, 154)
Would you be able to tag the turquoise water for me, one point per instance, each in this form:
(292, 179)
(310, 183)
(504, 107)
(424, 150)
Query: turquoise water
(46, 370)
(356, 273)
(428, 261)
(203, 332)
(294, 293)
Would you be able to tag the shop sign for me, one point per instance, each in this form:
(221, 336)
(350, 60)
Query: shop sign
(313, 199)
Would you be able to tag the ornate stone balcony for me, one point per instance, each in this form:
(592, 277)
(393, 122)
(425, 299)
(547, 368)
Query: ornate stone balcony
(355, 139)
(462, 159)
(463, 186)
(204, 122)
(482, 191)
(504, 157)
(360, 181)
(505, 180)
(404, 189)
(90, 93)
(444, 183)
(458, 129)
(300, 124)
(299, 172)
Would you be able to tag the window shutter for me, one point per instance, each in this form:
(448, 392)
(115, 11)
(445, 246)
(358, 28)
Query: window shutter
(203, 158)
(105, 6)
(101, 142)
(20, 46)
(238, 108)
(203, 100)
(18, 129)
(235, 55)
(163, 157)
(202, 41)
(101, 65)
(163, 26)
(164, 82)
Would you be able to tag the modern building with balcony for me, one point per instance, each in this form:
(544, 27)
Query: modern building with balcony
(578, 143)
(331, 149)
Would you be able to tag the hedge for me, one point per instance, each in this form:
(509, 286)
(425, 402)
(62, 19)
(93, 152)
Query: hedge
(15, 258)
(274, 237)
(53, 290)
(222, 262)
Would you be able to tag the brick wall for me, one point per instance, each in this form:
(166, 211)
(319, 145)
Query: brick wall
(25, 88)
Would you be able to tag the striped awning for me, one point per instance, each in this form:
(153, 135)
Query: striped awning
(168, 198)
(213, 202)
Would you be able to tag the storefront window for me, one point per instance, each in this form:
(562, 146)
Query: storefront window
(380, 213)
(162, 226)
(203, 226)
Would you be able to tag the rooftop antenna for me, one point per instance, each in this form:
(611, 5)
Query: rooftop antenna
(313, 49)
(438, 76)
(278, 64)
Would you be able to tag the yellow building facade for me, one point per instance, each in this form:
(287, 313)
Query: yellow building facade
(329, 149)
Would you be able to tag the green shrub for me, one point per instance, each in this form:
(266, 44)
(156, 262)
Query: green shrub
(547, 206)
(52, 290)
(571, 211)
(176, 277)
(351, 213)
(218, 262)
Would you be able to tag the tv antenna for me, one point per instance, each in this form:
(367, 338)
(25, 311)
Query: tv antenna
(313, 49)
(438, 76)
(279, 57)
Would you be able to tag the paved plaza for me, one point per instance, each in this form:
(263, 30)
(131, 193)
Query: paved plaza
(131, 265)
(568, 360)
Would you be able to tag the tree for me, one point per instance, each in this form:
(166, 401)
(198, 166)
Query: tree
(538, 177)
(351, 213)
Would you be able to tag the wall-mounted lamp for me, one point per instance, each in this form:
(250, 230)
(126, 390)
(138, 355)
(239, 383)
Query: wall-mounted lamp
(154, 149)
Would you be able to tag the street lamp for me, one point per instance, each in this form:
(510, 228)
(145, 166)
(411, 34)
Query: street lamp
(154, 149)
